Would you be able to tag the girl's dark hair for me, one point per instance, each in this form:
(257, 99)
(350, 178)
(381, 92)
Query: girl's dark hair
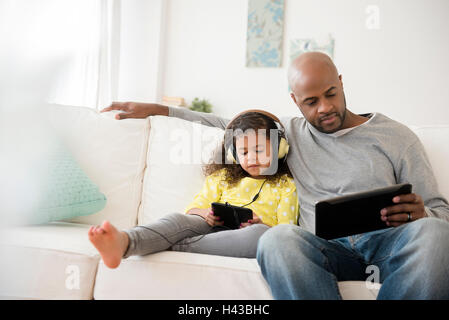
(234, 172)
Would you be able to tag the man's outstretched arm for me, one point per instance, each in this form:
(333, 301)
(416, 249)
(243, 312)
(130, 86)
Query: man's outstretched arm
(141, 110)
(137, 110)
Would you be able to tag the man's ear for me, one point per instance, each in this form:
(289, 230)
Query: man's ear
(292, 95)
(341, 77)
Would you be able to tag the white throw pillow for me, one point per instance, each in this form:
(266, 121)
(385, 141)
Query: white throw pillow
(112, 153)
(177, 149)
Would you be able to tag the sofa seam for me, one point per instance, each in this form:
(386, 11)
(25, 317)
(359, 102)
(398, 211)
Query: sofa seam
(144, 149)
(96, 255)
(198, 266)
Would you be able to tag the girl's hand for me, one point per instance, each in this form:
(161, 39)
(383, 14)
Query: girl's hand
(208, 215)
(212, 220)
(254, 220)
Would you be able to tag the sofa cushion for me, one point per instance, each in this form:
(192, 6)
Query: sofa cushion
(357, 290)
(180, 275)
(51, 261)
(192, 276)
(177, 149)
(112, 153)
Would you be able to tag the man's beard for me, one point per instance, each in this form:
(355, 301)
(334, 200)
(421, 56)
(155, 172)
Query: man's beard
(341, 116)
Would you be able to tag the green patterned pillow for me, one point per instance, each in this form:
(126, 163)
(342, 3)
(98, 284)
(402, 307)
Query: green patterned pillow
(65, 191)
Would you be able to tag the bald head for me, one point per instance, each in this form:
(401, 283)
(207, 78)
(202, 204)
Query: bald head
(317, 90)
(309, 68)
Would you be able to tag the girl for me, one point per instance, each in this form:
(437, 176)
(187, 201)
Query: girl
(250, 171)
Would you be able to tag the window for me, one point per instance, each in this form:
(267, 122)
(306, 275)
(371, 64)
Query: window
(78, 39)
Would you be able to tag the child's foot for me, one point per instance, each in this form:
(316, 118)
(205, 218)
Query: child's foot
(110, 242)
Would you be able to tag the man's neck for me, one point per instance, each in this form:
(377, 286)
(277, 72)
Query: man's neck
(353, 120)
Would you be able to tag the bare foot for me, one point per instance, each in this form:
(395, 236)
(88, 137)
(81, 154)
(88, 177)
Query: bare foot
(110, 242)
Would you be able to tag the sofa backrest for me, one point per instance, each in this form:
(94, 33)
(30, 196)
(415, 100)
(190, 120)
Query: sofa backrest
(146, 175)
(173, 176)
(436, 143)
(112, 153)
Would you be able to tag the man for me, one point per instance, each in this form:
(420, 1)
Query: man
(335, 152)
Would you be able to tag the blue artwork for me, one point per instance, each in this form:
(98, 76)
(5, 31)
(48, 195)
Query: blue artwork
(265, 33)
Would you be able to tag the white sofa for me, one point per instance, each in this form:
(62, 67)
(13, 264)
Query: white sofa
(144, 173)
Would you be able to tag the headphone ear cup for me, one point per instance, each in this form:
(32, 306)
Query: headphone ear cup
(230, 156)
(283, 148)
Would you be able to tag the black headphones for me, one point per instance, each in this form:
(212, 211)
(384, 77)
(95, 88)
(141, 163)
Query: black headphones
(231, 153)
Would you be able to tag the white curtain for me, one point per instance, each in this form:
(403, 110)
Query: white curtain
(90, 75)
(77, 39)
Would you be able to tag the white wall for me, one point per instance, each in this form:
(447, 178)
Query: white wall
(400, 70)
(205, 57)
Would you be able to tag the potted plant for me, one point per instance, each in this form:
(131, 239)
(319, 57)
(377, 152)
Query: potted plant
(201, 105)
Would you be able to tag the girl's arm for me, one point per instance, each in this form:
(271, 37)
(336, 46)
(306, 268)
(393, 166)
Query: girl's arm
(211, 192)
(199, 212)
(206, 214)
(288, 208)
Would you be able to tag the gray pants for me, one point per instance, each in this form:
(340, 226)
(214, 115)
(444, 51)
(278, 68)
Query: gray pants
(191, 233)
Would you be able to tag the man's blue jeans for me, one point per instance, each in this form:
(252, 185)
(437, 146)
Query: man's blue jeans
(412, 260)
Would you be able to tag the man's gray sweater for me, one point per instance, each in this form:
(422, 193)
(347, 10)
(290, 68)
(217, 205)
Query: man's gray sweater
(378, 153)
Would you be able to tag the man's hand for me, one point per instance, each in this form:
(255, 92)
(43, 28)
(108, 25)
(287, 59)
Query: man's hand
(406, 205)
(136, 110)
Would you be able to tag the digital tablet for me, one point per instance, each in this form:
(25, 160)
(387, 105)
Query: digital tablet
(355, 213)
(232, 216)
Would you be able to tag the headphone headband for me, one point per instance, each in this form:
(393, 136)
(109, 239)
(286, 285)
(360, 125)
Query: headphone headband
(268, 114)
(283, 146)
